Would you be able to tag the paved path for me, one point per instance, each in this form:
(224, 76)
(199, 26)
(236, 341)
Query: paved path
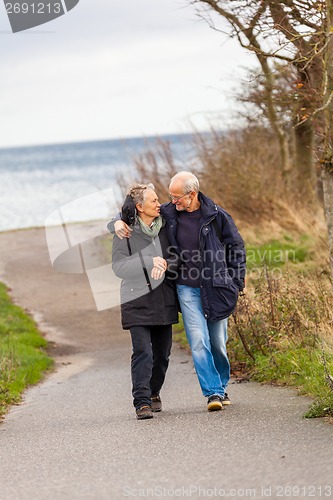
(75, 435)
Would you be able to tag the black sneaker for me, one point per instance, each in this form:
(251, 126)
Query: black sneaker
(156, 403)
(225, 400)
(144, 412)
(214, 403)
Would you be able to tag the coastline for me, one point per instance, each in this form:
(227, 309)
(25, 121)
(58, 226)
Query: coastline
(69, 223)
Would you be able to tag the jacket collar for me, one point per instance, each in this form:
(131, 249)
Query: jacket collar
(207, 206)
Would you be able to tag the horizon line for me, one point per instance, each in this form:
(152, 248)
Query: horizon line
(114, 139)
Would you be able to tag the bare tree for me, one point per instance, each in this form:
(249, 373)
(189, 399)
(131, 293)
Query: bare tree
(302, 24)
(283, 97)
(298, 33)
(327, 106)
(289, 31)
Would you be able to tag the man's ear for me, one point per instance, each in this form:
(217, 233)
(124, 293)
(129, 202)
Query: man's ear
(139, 207)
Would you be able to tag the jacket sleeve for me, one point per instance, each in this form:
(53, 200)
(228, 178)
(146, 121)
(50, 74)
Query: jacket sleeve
(235, 249)
(128, 266)
(110, 225)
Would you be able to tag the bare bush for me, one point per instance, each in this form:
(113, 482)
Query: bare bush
(278, 313)
(157, 165)
(239, 170)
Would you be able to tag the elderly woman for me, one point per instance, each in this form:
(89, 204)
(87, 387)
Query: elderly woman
(149, 305)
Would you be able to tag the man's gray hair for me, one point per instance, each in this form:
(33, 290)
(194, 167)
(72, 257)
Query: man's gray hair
(190, 181)
(138, 192)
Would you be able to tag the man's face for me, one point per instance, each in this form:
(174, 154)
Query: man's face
(178, 197)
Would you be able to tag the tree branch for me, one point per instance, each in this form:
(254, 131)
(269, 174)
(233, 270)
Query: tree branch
(298, 16)
(282, 23)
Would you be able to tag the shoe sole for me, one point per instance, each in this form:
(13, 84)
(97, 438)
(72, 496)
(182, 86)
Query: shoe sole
(214, 406)
(156, 410)
(144, 417)
(226, 403)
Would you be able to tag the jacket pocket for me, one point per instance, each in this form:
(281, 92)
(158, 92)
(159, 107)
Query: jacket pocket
(225, 295)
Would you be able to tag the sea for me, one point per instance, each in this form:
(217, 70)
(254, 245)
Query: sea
(78, 180)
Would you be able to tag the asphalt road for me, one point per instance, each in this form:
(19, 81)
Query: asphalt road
(75, 435)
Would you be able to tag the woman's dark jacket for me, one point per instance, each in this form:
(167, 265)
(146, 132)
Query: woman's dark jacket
(145, 301)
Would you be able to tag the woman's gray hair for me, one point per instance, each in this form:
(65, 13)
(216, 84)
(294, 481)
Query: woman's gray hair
(190, 181)
(138, 192)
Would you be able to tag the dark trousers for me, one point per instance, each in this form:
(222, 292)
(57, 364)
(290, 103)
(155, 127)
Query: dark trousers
(150, 360)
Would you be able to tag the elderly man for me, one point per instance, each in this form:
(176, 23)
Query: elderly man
(211, 275)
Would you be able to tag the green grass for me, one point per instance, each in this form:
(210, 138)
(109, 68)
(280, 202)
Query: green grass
(280, 319)
(277, 253)
(301, 367)
(22, 358)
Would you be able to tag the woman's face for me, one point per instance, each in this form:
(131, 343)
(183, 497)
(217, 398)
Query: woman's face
(150, 206)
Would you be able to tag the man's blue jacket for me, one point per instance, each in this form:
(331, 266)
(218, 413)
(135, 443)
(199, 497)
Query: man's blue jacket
(222, 257)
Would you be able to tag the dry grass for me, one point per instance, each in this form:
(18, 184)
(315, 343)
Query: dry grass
(282, 333)
(239, 170)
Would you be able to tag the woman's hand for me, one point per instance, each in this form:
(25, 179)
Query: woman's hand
(160, 263)
(157, 274)
(160, 266)
(122, 230)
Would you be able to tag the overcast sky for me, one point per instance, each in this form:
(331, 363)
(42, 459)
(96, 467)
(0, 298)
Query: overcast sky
(113, 69)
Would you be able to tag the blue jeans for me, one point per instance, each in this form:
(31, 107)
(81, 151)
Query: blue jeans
(207, 340)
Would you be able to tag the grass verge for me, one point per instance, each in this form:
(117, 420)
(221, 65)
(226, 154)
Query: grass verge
(282, 330)
(22, 358)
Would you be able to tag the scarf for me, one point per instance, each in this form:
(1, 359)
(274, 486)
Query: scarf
(154, 227)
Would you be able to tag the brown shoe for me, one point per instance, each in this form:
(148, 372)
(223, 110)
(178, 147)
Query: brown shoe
(225, 400)
(144, 412)
(214, 403)
(156, 403)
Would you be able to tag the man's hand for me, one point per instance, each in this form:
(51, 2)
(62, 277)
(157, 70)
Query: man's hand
(122, 230)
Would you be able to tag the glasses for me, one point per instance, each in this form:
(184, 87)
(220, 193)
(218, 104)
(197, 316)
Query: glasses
(175, 198)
